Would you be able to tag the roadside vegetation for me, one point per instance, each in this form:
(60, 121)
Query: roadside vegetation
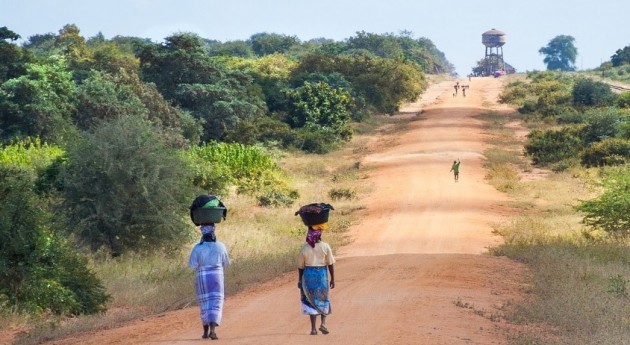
(568, 181)
(105, 142)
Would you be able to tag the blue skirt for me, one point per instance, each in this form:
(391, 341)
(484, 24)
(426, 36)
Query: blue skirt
(210, 293)
(314, 292)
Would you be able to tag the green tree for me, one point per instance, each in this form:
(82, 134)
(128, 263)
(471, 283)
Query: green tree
(13, 59)
(321, 108)
(611, 210)
(560, 53)
(269, 43)
(39, 270)
(552, 146)
(38, 104)
(621, 57)
(590, 93)
(126, 190)
(384, 83)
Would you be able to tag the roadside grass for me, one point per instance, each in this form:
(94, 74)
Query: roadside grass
(262, 242)
(580, 279)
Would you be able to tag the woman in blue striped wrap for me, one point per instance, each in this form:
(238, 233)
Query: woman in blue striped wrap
(315, 261)
(209, 258)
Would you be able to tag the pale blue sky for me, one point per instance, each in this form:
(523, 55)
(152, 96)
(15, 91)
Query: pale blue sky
(599, 27)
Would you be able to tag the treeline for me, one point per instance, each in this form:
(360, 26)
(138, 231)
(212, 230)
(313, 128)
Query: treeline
(104, 142)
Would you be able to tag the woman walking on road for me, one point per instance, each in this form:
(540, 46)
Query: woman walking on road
(209, 258)
(314, 262)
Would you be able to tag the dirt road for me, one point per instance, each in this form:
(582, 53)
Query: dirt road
(415, 273)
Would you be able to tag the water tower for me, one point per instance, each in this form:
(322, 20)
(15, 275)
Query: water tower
(493, 40)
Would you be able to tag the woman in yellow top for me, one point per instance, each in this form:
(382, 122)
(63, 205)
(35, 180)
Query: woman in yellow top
(314, 262)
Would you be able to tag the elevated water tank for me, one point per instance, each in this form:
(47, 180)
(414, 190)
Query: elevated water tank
(493, 38)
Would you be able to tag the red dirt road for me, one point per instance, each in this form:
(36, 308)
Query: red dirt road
(415, 272)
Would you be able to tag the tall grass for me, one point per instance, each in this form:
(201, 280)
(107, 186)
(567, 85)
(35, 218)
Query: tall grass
(579, 277)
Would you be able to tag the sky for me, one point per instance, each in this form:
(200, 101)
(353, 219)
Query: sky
(455, 27)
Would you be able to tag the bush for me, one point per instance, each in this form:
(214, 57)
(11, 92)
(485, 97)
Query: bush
(601, 124)
(611, 151)
(39, 271)
(623, 100)
(278, 198)
(125, 190)
(610, 211)
(589, 93)
(552, 146)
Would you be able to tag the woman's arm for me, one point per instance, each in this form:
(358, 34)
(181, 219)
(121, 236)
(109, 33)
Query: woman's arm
(300, 275)
(331, 269)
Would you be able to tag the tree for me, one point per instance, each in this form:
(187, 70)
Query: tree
(186, 75)
(611, 210)
(126, 190)
(590, 93)
(560, 53)
(266, 43)
(39, 270)
(321, 108)
(38, 104)
(621, 57)
(13, 59)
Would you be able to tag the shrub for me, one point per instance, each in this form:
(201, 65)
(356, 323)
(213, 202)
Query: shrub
(125, 190)
(278, 198)
(601, 124)
(611, 210)
(610, 151)
(588, 92)
(342, 193)
(39, 271)
(552, 146)
(623, 100)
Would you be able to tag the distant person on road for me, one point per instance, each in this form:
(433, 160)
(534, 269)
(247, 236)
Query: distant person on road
(464, 90)
(315, 261)
(455, 169)
(456, 86)
(209, 258)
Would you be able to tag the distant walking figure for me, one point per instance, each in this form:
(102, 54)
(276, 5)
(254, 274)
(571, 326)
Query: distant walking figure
(464, 90)
(456, 89)
(455, 169)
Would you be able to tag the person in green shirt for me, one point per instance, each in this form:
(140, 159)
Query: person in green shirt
(455, 169)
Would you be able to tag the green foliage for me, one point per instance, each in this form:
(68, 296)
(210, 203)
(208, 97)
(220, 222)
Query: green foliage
(602, 123)
(618, 285)
(219, 165)
(125, 190)
(39, 103)
(30, 153)
(623, 100)
(609, 151)
(560, 53)
(342, 193)
(383, 83)
(550, 146)
(590, 93)
(13, 59)
(611, 210)
(621, 57)
(321, 108)
(269, 43)
(277, 198)
(101, 97)
(39, 271)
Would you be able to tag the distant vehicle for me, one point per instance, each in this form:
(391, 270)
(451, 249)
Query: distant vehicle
(499, 73)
